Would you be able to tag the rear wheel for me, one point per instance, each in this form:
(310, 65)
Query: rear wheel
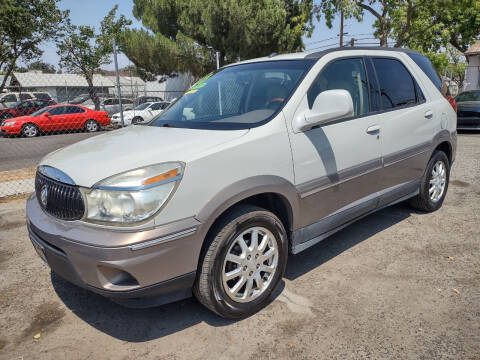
(29, 130)
(434, 185)
(91, 126)
(244, 262)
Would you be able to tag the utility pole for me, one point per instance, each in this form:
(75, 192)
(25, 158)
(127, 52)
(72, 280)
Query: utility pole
(118, 81)
(341, 27)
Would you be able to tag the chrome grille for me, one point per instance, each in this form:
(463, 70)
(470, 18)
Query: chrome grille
(61, 200)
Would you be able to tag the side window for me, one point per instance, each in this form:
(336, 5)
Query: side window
(396, 84)
(60, 110)
(164, 105)
(109, 102)
(42, 96)
(9, 98)
(427, 67)
(25, 96)
(74, 110)
(157, 106)
(127, 101)
(347, 74)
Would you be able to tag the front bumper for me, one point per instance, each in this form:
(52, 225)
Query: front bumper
(158, 263)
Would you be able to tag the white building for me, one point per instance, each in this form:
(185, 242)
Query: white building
(472, 74)
(64, 87)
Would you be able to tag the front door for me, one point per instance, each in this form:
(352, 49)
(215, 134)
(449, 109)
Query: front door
(337, 164)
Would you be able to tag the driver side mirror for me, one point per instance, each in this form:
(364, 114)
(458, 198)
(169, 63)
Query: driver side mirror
(47, 114)
(329, 105)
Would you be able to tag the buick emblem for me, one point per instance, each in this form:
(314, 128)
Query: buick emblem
(44, 195)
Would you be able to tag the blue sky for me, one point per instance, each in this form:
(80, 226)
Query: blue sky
(91, 12)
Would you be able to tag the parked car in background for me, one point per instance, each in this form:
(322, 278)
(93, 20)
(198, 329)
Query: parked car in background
(278, 154)
(142, 113)
(143, 99)
(8, 99)
(111, 105)
(22, 108)
(56, 118)
(82, 98)
(468, 110)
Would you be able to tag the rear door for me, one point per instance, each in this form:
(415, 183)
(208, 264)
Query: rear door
(74, 117)
(407, 122)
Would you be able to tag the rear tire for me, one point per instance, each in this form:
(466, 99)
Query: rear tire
(238, 275)
(434, 185)
(30, 130)
(91, 126)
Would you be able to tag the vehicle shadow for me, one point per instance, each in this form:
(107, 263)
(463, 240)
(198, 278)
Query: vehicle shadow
(139, 325)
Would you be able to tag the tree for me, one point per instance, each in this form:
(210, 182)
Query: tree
(24, 25)
(420, 24)
(83, 50)
(184, 34)
(42, 66)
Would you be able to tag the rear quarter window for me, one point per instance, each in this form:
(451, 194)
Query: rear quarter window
(427, 67)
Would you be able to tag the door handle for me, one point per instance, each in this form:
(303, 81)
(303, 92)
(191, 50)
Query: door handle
(373, 129)
(428, 114)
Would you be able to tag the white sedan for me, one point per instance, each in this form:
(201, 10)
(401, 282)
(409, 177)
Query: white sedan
(142, 113)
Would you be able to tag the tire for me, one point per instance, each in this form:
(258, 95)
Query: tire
(91, 126)
(30, 130)
(136, 120)
(425, 200)
(214, 290)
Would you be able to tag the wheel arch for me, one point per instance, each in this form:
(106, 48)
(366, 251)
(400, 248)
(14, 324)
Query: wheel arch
(446, 142)
(273, 193)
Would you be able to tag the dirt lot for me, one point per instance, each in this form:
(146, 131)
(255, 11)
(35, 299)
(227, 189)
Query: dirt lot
(397, 284)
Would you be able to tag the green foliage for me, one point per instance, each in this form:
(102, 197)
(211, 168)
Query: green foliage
(421, 24)
(24, 25)
(450, 62)
(83, 50)
(184, 32)
(42, 66)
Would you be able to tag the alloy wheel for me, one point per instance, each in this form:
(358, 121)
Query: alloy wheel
(30, 130)
(437, 182)
(250, 264)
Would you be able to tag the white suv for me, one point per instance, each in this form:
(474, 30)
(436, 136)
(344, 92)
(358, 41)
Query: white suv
(275, 155)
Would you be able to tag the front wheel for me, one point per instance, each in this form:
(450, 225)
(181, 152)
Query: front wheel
(29, 130)
(434, 185)
(137, 120)
(244, 262)
(91, 126)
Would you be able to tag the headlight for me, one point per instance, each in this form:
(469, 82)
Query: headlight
(134, 195)
(9, 123)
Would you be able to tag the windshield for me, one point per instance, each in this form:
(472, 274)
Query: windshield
(41, 111)
(469, 96)
(237, 97)
(142, 106)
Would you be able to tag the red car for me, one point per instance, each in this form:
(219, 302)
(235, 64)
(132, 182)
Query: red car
(22, 108)
(55, 118)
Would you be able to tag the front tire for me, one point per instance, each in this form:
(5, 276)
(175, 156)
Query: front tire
(244, 262)
(91, 126)
(136, 120)
(434, 185)
(30, 130)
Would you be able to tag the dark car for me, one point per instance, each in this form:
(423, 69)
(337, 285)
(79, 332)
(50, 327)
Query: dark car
(22, 108)
(468, 110)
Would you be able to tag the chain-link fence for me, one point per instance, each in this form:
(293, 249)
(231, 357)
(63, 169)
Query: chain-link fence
(41, 112)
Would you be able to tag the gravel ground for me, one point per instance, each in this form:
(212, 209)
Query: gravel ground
(397, 284)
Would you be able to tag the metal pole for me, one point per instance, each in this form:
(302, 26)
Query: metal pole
(118, 82)
(341, 27)
(217, 54)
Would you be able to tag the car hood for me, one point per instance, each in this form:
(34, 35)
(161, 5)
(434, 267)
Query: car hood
(92, 160)
(21, 118)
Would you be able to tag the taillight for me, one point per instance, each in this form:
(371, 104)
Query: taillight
(452, 102)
